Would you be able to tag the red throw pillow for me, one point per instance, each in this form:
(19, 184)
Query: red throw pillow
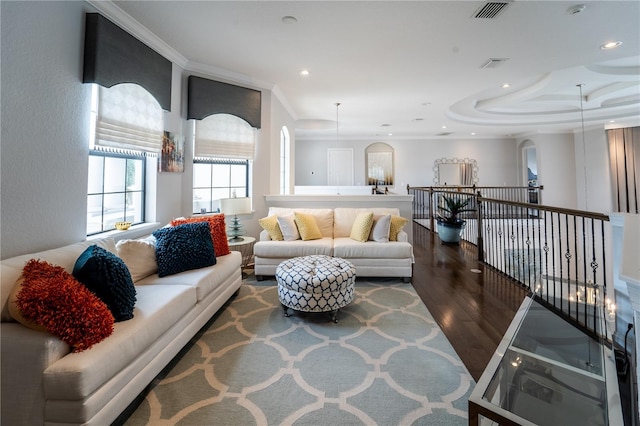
(218, 231)
(50, 297)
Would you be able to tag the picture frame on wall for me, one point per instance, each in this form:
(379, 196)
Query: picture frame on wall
(172, 155)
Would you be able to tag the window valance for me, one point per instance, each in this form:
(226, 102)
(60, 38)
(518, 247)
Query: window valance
(208, 97)
(113, 56)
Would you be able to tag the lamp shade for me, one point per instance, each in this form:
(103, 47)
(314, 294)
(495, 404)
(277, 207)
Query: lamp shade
(234, 206)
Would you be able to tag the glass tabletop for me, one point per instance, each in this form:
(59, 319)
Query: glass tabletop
(546, 372)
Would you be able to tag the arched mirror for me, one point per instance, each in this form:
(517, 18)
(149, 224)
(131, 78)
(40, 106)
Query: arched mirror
(455, 171)
(379, 164)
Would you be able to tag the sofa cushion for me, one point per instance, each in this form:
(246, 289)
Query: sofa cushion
(107, 276)
(158, 309)
(361, 226)
(307, 226)
(397, 223)
(66, 256)
(184, 247)
(288, 227)
(380, 228)
(347, 248)
(270, 224)
(289, 249)
(51, 297)
(205, 280)
(217, 227)
(139, 256)
(324, 217)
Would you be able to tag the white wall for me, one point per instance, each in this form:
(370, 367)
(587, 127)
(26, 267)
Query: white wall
(45, 126)
(592, 169)
(497, 161)
(556, 168)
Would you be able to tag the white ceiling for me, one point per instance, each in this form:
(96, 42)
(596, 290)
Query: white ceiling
(410, 68)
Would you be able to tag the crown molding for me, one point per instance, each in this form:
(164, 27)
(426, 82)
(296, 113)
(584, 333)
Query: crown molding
(124, 20)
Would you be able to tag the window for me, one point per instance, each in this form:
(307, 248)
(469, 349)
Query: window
(214, 179)
(284, 161)
(115, 190)
(126, 128)
(223, 153)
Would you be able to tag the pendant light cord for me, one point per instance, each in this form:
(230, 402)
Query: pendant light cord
(337, 144)
(584, 149)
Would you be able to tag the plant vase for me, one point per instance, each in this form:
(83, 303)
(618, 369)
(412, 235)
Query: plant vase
(450, 233)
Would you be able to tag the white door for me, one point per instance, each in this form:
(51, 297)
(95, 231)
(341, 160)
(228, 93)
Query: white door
(340, 161)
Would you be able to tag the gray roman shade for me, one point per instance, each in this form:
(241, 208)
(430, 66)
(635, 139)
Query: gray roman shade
(113, 56)
(208, 97)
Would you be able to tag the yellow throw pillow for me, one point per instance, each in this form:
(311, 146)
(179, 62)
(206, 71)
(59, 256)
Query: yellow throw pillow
(361, 227)
(307, 226)
(270, 224)
(397, 223)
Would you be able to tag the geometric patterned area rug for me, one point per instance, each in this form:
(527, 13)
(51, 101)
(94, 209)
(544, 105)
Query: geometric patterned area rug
(386, 362)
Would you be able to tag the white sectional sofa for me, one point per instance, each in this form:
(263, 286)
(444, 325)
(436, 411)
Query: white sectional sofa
(44, 382)
(371, 258)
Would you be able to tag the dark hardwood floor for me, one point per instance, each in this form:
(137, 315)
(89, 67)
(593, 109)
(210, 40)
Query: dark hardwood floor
(473, 309)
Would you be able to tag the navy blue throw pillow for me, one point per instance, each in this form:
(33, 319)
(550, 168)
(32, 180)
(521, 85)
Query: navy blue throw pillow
(108, 277)
(184, 247)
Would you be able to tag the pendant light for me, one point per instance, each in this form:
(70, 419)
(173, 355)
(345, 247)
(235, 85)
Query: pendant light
(584, 147)
(337, 104)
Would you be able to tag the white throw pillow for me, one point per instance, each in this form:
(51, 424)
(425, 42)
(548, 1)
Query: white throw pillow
(380, 228)
(288, 227)
(139, 256)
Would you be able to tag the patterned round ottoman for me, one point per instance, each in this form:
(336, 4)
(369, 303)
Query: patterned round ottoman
(315, 284)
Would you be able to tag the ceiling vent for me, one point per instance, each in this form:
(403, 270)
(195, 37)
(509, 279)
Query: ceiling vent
(493, 62)
(444, 134)
(490, 10)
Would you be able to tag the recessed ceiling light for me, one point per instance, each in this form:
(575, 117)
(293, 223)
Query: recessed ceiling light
(611, 45)
(426, 103)
(612, 121)
(506, 85)
(444, 127)
(389, 134)
(304, 73)
(289, 19)
(473, 133)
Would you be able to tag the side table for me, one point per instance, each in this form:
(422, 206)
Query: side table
(245, 247)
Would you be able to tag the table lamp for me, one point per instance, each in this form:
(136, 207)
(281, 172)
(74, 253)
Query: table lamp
(234, 207)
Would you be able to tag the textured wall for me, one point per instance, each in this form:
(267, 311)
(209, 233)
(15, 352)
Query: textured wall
(45, 126)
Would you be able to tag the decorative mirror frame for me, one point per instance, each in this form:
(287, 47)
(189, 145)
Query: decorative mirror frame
(379, 164)
(436, 170)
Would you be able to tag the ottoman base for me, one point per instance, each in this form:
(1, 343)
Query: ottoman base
(334, 313)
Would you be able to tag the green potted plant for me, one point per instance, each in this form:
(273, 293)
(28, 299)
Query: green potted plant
(450, 226)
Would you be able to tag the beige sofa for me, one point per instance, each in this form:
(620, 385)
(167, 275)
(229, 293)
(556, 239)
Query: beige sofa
(371, 258)
(43, 382)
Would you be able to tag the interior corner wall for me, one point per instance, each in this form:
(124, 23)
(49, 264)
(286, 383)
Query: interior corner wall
(168, 199)
(266, 165)
(45, 111)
